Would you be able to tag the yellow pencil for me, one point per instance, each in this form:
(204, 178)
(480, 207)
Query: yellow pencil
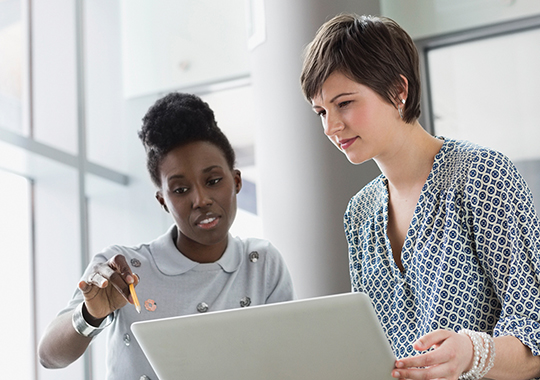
(135, 299)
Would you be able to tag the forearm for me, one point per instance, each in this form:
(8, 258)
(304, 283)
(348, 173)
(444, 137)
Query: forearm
(61, 345)
(513, 360)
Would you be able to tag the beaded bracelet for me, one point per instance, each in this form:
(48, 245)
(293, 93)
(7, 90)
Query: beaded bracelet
(489, 346)
(483, 348)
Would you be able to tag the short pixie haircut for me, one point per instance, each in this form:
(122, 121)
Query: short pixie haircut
(176, 120)
(373, 51)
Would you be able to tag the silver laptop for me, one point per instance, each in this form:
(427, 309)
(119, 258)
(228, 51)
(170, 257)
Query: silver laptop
(325, 338)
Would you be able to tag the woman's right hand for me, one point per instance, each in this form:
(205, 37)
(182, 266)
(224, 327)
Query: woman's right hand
(107, 288)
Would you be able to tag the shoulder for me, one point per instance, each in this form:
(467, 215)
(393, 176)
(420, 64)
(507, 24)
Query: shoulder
(368, 198)
(463, 163)
(127, 251)
(467, 153)
(483, 163)
(164, 243)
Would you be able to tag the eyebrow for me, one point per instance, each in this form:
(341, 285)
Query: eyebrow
(205, 170)
(335, 97)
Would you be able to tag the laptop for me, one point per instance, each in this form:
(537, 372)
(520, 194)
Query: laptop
(323, 338)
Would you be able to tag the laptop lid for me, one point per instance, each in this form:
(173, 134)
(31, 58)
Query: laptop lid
(331, 337)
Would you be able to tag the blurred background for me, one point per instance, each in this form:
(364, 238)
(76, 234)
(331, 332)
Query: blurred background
(77, 76)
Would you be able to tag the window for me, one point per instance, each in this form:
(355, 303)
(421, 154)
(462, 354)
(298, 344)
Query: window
(482, 88)
(17, 353)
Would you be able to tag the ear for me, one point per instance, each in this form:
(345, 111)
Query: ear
(161, 200)
(237, 180)
(402, 91)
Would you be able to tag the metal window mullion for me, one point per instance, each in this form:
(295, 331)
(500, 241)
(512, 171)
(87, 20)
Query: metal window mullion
(82, 161)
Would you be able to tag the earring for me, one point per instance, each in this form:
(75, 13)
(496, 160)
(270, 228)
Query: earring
(400, 109)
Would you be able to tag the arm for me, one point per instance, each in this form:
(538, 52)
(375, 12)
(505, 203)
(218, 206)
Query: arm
(278, 278)
(511, 261)
(514, 360)
(453, 356)
(105, 290)
(61, 345)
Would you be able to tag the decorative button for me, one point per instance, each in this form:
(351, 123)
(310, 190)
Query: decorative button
(202, 307)
(246, 301)
(254, 256)
(144, 377)
(136, 263)
(127, 339)
(150, 305)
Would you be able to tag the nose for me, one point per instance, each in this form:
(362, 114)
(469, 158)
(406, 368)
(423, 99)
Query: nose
(332, 124)
(201, 197)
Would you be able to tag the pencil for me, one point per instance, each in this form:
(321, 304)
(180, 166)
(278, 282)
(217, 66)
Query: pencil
(135, 299)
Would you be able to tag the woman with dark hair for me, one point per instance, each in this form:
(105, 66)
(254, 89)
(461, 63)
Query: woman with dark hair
(446, 240)
(195, 267)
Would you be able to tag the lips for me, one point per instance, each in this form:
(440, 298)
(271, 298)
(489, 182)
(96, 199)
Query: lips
(208, 222)
(345, 143)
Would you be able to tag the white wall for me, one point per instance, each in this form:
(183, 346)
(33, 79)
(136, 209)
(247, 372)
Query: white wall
(305, 182)
(428, 18)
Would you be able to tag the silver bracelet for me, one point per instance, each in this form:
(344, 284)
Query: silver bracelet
(83, 327)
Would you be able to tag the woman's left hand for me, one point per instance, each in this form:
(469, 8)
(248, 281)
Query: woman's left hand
(450, 356)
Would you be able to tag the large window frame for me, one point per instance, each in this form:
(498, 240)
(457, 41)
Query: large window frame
(424, 45)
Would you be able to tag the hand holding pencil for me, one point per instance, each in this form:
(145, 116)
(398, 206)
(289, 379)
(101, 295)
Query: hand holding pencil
(110, 287)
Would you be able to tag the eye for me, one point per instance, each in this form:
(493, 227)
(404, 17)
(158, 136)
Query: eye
(180, 190)
(321, 113)
(214, 181)
(344, 104)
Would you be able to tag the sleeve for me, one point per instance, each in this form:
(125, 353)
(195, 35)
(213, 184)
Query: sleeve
(507, 235)
(362, 223)
(351, 234)
(278, 278)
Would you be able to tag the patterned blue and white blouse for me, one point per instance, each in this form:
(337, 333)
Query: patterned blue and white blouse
(471, 255)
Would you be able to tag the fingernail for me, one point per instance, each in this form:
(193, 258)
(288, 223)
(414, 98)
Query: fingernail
(130, 279)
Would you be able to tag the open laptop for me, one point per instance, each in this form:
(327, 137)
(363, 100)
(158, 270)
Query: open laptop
(331, 337)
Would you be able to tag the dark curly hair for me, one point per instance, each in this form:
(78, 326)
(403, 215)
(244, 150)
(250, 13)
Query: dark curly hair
(175, 120)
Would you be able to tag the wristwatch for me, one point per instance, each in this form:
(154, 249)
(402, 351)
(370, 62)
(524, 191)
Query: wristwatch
(83, 327)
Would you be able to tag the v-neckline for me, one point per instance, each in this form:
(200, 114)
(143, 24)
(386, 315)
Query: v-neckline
(413, 224)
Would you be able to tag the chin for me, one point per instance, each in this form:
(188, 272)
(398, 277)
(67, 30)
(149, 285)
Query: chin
(356, 160)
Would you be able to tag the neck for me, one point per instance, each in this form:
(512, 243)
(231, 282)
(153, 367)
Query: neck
(201, 253)
(410, 157)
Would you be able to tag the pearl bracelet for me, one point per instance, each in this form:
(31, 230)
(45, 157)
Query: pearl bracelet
(483, 349)
(489, 346)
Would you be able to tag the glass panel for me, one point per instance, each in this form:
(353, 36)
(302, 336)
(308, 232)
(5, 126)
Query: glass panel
(17, 359)
(485, 92)
(109, 137)
(54, 74)
(11, 65)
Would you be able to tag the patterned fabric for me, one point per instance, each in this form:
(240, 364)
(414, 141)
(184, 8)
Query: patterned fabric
(471, 254)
